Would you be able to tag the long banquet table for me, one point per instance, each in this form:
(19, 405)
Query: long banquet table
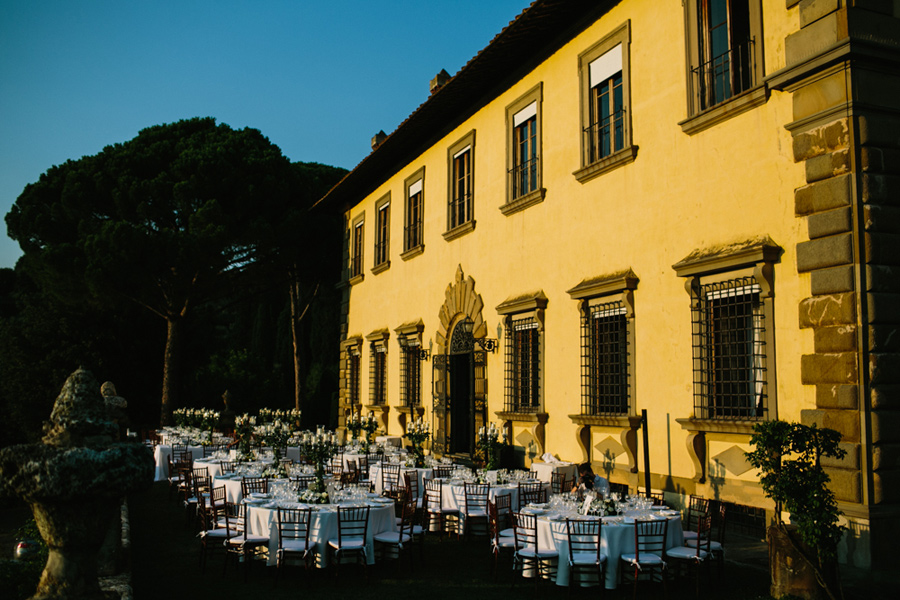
(263, 520)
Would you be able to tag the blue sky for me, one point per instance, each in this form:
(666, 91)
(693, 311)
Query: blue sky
(319, 79)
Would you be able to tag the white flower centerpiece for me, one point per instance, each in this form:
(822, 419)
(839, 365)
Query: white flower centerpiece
(243, 431)
(208, 421)
(418, 432)
(489, 446)
(597, 505)
(318, 447)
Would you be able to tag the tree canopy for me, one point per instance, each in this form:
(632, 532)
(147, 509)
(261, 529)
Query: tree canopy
(169, 220)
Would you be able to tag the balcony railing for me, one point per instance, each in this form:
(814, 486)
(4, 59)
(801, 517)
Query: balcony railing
(724, 76)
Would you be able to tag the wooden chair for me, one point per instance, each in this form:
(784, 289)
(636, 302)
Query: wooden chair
(403, 536)
(649, 552)
(390, 479)
(695, 556)
(300, 483)
(244, 545)
(618, 488)
(350, 475)
(434, 507)
(293, 537)
(499, 542)
(475, 508)
(528, 553)
(503, 502)
(353, 525)
(214, 521)
(559, 484)
(698, 507)
(443, 471)
(528, 487)
(716, 535)
(583, 537)
(254, 485)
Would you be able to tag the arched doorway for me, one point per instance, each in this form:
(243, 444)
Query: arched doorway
(459, 372)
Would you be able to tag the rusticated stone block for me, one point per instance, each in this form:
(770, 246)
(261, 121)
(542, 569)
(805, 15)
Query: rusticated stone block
(827, 165)
(880, 188)
(813, 10)
(885, 397)
(885, 487)
(850, 460)
(882, 307)
(882, 278)
(823, 311)
(815, 37)
(885, 426)
(832, 281)
(828, 368)
(884, 367)
(822, 195)
(824, 252)
(886, 456)
(827, 223)
(839, 338)
(820, 140)
(845, 484)
(884, 337)
(881, 218)
(880, 160)
(877, 130)
(841, 396)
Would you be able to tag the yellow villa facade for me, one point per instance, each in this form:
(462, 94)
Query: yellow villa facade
(631, 207)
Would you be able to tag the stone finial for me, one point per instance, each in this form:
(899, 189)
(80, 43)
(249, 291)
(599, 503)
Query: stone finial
(79, 416)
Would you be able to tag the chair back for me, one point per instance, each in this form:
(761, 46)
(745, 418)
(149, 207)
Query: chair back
(503, 502)
(390, 478)
(353, 523)
(658, 498)
(583, 537)
(443, 471)
(530, 488)
(254, 485)
(294, 524)
(363, 466)
(351, 473)
(411, 483)
(476, 497)
(211, 512)
(374, 458)
(525, 531)
(650, 538)
(300, 483)
(697, 508)
(227, 466)
(702, 543)
(433, 502)
(618, 488)
(202, 485)
(558, 483)
(337, 465)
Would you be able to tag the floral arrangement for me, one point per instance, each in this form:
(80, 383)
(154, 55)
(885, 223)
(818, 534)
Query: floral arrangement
(418, 432)
(314, 494)
(354, 424)
(489, 445)
(188, 417)
(276, 435)
(208, 421)
(598, 505)
(276, 470)
(318, 447)
(243, 433)
(358, 423)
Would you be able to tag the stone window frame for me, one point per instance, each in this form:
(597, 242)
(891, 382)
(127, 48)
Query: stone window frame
(514, 205)
(352, 349)
(465, 227)
(357, 248)
(409, 338)
(614, 287)
(529, 307)
(378, 368)
(413, 250)
(756, 95)
(627, 154)
(382, 211)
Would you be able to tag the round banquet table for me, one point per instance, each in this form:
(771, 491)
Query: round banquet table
(617, 538)
(263, 520)
(163, 452)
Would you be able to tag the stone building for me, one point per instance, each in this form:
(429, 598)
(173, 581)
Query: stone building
(688, 208)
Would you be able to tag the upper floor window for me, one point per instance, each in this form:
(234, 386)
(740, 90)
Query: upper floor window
(604, 72)
(724, 39)
(413, 233)
(524, 152)
(460, 217)
(382, 234)
(356, 247)
(351, 350)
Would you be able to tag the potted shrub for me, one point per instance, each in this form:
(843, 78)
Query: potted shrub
(802, 553)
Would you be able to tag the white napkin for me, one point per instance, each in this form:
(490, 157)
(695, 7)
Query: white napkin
(549, 458)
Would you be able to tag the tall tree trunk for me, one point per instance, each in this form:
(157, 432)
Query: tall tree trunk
(171, 368)
(294, 288)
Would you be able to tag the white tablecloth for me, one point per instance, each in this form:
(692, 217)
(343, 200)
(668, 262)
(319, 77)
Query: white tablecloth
(163, 452)
(616, 539)
(421, 474)
(264, 521)
(392, 440)
(544, 470)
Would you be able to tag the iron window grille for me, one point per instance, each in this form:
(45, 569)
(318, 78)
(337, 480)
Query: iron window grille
(729, 351)
(461, 198)
(606, 133)
(524, 173)
(378, 374)
(604, 364)
(381, 234)
(410, 376)
(522, 377)
(356, 262)
(353, 377)
(413, 229)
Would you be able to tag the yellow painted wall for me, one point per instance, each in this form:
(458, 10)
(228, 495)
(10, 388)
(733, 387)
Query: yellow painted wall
(732, 182)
